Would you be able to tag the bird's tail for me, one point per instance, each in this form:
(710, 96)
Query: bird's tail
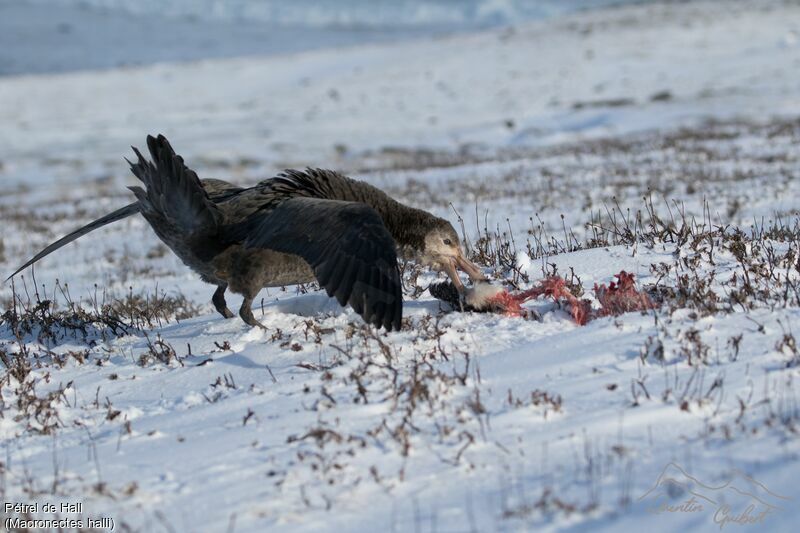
(119, 214)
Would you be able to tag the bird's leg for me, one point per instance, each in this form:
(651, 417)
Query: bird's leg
(246, 312)
(219, 301)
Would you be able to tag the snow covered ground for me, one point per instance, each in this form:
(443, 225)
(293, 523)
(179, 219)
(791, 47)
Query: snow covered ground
(636, 138)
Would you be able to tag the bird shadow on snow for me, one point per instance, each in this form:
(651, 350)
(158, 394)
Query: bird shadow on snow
(320, 304)
(307, 305)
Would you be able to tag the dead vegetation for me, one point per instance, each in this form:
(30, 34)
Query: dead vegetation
(35, 324)
(148, 311)
(159, 351)
(432, 397)
(53, 318)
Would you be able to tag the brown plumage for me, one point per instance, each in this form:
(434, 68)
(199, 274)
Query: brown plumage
(294, 228)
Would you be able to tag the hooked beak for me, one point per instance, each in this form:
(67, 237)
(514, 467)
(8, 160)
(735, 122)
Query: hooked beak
(462, 263)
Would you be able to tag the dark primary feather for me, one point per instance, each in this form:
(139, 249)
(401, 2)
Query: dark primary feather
(351, 252)
(218, 191)
(119, 214)
(172, 190)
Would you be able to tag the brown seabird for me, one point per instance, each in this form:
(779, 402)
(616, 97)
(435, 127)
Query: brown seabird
(290, 229)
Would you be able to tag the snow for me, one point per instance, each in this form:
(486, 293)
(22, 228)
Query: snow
(459, 421)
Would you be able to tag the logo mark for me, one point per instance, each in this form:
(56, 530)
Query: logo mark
(741, 500)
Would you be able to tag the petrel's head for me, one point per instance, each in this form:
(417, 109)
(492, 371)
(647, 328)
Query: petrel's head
(442, 251)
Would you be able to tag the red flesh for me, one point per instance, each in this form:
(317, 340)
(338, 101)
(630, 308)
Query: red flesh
(617, 298)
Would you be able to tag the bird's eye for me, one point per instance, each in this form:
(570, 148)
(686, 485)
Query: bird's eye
(448, 242)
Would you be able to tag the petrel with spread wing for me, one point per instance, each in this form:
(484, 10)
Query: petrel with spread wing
(294, 228)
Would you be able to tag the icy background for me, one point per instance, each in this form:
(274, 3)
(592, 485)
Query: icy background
(38, 36)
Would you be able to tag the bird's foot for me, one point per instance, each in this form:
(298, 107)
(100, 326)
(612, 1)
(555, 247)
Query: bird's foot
(224, 311)
(246, 313)
(218, 299)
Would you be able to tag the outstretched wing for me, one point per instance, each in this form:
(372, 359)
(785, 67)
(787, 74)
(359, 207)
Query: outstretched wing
(350, 250)
(172, 190)
(119, 214)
